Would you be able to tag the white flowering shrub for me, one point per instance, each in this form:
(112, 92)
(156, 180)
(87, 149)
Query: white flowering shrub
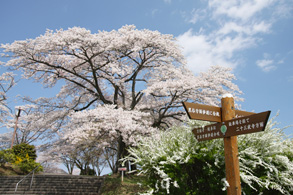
(176, 163)
(266, 161)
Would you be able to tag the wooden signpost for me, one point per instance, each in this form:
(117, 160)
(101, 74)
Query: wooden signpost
(230, 123)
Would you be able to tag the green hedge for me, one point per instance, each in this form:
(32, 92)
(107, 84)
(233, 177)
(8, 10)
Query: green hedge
(21, 156)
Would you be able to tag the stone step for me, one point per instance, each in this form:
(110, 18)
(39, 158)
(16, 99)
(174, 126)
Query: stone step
(52, 184)
(46, 193)
(52, 188)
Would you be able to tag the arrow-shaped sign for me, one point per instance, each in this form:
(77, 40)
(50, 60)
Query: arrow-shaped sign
(238, 126)
(208, 113)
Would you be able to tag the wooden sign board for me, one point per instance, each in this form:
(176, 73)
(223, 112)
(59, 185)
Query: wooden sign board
(208, 132)
(238, 126)
(208, 113)
(203, 112)
(240, 113)
(244, 125)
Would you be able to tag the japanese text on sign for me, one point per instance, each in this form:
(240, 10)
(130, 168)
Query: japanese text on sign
(204, 112)
(207, 132)
(244, 124)
(248, 124)
(237, 126)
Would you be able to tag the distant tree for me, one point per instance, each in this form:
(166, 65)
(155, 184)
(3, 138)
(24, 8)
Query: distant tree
(36, 123)
(139, 71)
(111, 157)
(49, 164)
(52, 167)
(99, 163)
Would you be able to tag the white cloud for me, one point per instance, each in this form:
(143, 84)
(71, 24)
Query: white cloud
(228, 45)
(203, 51)
(248, 29)
(197, 50)
(261, 27)
(266, 65)
(231, 26)
(196, 15)
(284, 8)
(243, 9)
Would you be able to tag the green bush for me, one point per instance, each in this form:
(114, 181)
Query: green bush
(22, 157)
(7, 156)
(24, 149)
(27, 165)
(25, 157)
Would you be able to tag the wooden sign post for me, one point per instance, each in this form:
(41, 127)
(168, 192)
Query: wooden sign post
(231, 149)
(230, 123)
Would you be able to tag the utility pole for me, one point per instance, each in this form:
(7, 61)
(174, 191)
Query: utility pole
(15, 127)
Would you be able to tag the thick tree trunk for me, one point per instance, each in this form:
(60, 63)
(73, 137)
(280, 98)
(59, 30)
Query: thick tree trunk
(121, 152)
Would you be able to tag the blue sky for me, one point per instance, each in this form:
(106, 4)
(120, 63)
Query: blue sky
(254, 37)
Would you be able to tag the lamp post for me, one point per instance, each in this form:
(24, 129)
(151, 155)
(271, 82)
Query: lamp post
(15, 127)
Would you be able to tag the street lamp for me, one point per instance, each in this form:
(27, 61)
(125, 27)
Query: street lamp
(15, 127)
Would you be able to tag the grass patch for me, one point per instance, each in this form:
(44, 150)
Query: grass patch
(130, 185)
(8, 169)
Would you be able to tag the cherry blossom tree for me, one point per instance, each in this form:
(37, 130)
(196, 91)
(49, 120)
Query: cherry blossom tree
(107, 77)
(37, 123)
(6, 83)
(85, 156)
(104, 126)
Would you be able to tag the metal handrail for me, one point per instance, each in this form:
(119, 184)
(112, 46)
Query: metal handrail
(33, 173)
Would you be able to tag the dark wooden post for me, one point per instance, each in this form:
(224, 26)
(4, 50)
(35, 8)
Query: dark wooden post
(231, 149)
